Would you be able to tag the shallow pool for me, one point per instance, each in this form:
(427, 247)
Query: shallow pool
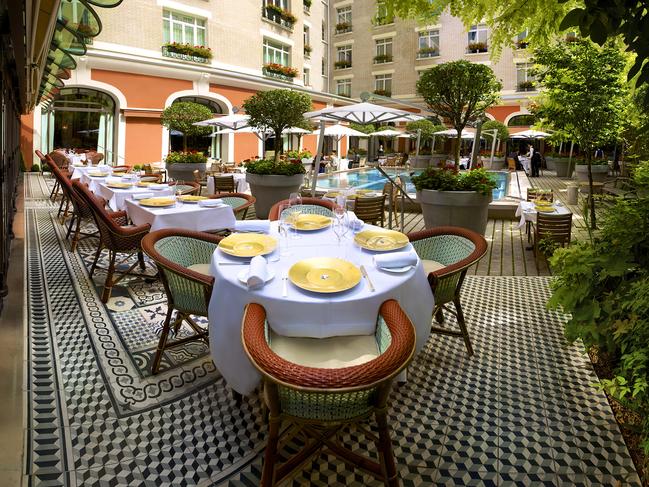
(371, 178)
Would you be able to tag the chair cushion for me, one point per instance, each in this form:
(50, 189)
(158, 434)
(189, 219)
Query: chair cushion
(200, 268)
(325, 353)
(431, 266)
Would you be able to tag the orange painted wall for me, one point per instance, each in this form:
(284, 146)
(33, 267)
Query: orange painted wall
(27, 139)
(236, 95)
(142, 91)
(246, 146)
(343, 147)
(143, 140)
(310, 143)
(501, 112)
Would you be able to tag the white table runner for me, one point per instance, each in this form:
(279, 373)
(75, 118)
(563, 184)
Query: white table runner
(187, 216)
(305, 313)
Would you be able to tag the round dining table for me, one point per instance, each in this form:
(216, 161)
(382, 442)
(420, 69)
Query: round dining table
(302, 313)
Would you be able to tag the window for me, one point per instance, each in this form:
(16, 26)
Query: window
(521, 40)
(307, 36)
(324, 66)
(478, 38)
(343, 57)
(307, 77)
(324, 31)
(344, 87)
(428, 44)
(343, 19)
(525, 80)
(183, 29)
(277, 53)
(283, 4)
(383, 84)
(383, 16)
(383, 52)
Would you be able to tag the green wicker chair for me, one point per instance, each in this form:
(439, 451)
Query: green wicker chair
(309, 206)
(240, 202)
(455, 250)
(188, 187)
(318, 402)
(182, 258)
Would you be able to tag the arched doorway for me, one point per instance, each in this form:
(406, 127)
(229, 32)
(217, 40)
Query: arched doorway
(80, 118)
(211, 144)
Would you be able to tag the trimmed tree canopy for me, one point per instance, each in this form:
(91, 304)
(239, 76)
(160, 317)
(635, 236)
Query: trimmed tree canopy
(427, 128)
(489, 126)
(277, 110)
(182, 115)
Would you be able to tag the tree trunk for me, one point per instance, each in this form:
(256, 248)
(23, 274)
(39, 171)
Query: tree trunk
(458, 143)
(278, 144)
(591, 199)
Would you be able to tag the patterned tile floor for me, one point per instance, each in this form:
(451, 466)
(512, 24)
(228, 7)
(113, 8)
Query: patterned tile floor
(521, 411)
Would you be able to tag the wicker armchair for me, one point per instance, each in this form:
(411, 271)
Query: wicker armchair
(62, 162)
(224, 184)
(319, 401)
(202, 182)
(309, 206)
(556, 228)
(370, 209)
(94, 157)
(240, 203)
(182, 258)
(123, 169)
(116, 236)
(188, 187)
(450, 251)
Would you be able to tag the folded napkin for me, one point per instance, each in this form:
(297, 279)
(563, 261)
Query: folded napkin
(396, 259)
(257, 273)
(354, 222)
(211, 203)
(262, 226)
(158, 186)
(141, 196)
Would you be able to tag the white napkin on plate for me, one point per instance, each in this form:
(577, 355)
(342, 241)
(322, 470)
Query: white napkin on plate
(262, 226)
(257, 273)
(354, 222)
(158, 186)
(396, 259)
(141, 196)
(211, 203)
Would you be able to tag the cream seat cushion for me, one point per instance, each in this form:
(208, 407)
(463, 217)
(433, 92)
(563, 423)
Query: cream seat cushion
(200, 268)
(325, 353)
(431, 266)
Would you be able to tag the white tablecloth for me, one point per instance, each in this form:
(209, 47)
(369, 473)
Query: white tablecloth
(527, 213)
(117, 197)
(240, 183)
(304, 313)
(526, 163)
(188, 216)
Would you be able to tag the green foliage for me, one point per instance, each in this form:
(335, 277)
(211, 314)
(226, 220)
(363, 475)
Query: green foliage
(488, 126)
(192, 157)
(427, 128)
(603, 286)
(36, 168)
(182, 115)
(367, 128)
(277, 110)
(460, 92)
(451, 180)
(274, 167)
(641, 174)
(190, 50)
(295, 154)
(137, 167)
(23, 167)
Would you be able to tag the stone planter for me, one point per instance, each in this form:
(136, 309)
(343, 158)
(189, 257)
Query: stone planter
(498, 163)
(269, 189)
(466, 209)
(600, 172)
(549, 162)
(564, 167)
(185, 171)
(420, 162)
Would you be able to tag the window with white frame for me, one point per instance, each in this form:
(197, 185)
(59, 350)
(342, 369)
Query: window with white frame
(283, 4)
(344, 87)
(307, 36)
(182, 28)
(277, 53)
(383, 82)
(428, 44)
(525, 79)
(307, 76)
(382, 13)
(324, 30)
(344, 18)
(383, 50)
(344, 55)
(324, 66)
(478, 37)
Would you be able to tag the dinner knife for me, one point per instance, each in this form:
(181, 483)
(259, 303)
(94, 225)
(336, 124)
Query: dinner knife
(366, 276)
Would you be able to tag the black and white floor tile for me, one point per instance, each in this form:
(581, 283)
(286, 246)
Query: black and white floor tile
(521, 412)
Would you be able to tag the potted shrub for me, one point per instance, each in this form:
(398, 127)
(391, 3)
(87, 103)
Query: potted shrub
(342, 64)
(181, 165)
(599, 169)
(526, 86)
(275, 110)
(460, 199)
(181, 116)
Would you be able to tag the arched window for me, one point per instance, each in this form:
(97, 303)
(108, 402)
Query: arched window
(209, 144)
(524, 120)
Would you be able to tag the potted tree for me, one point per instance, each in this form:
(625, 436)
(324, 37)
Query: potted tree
(182, 116)
(598, 169)
(274, 111)
(460, 92)
(448, 197)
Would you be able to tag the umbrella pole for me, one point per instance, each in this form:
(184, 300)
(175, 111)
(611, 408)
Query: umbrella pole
(318, 157)
(419, 141)
(493, 148)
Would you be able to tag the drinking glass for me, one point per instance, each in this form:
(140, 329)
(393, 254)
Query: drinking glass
(340, 226)
(295, 204)
(285, 223)
(179, 191)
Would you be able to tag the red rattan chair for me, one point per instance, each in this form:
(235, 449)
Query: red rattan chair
(62, 162)
(318, 402)
(454, 250)
(309, 205)
(188, 291)
(116, 236)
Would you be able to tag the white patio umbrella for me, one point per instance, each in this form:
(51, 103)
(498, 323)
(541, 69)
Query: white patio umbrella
(360, 113)
(235, 121)
(339, 131)
(387, 133)
(296, 131)
(453, 133)
(530, 134)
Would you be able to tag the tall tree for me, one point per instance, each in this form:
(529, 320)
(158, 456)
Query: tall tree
(584, 95)
(277, 110)
(182, 115)
(459, 92)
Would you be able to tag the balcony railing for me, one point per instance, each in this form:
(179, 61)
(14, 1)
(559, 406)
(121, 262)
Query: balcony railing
(342, 64)
(427, 52)
(170, 52)
(382, 58)
(279, 16)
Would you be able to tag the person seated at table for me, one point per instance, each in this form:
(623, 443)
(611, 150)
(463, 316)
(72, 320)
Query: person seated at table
(334, 161)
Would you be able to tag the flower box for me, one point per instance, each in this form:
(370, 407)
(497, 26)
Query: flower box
(284, 73)
(342, 64)
(426, 52)
(383, 58)
(343, 27)
(279, 16)
(383, 93)
(526, 86)
(476, 47)
(187, 52)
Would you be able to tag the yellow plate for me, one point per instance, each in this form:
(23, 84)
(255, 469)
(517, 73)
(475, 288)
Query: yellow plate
(332, 194)
(190, 198)
(118, 173)
(157, 202)
(144, 184)
(544, 209)
(311, 222)
(381, 240)
(120, 185)
(247, 244)
(324, 275)
(97, 174)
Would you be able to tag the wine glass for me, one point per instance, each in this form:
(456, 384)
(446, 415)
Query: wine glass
(285, 223)
(340, 225)
(179, 191)
(295, 203)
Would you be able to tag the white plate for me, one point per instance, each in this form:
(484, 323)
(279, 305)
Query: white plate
(397, 270)
(243, 276)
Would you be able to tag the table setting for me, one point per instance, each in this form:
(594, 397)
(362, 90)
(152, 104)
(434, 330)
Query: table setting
(349, 196)
(240, 183)
(313, 282)
(527, 210)
(116, 190)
